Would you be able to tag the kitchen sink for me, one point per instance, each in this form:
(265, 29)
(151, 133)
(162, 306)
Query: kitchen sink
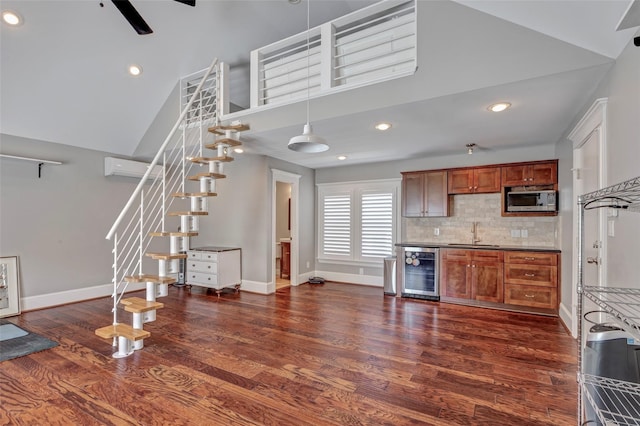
(473, 245)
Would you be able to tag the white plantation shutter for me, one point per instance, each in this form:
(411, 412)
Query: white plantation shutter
(337, 225)
(357, 221)
(376, 235)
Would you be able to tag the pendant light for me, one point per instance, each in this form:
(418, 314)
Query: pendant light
(308, 142)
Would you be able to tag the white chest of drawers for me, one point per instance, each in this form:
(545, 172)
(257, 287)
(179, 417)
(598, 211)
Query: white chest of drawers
(214, 267)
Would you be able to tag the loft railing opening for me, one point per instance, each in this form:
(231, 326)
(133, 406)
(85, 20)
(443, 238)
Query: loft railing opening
(368, 46)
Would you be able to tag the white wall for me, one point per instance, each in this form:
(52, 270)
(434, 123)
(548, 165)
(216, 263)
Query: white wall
(621, 86)
(57, 224)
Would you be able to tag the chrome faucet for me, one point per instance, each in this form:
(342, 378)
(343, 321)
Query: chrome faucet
(474, 233)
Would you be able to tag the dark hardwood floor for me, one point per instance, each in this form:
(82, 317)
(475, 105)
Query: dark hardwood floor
(310, 355)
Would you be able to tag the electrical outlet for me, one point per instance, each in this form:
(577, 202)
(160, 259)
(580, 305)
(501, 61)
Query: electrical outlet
(515, 233)
(436, 231)
(524, 233)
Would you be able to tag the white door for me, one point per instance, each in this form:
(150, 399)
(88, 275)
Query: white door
(590, 179)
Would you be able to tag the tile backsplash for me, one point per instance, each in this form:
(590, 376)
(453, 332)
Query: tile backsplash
(538, 231)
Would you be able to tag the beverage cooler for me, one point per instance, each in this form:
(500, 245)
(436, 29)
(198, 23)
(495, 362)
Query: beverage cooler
(418, 268)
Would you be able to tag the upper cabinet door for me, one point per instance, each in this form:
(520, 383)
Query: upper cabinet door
(413, 195)
(460, 181)
(530, 174)
(425, 194)
(436, 196)
(473, 181)
(486, 180)
(544, 174)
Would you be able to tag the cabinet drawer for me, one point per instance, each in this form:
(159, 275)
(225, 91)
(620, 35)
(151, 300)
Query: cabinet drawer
(202, 266)
(537, 275)
(532, 296)
(202, 278)
(195, 255)
(486, 255)
(455, 254)
(531, 258)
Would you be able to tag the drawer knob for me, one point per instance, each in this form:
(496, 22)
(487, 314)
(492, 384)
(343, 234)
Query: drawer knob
(530, 296)
(529, 275)
(529, 258)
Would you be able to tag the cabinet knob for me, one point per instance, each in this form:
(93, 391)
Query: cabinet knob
(529, 275)
(468, 266)
(530, 296)
(471, 187)
(529, 258)
(473, 266)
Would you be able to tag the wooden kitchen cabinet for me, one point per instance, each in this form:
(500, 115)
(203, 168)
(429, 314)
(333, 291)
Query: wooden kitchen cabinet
(539, 173)
(424, 194)
(531, 279)
(472, 274)
(474, 180)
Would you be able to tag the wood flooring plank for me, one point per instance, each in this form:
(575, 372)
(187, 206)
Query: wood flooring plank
(332, 354)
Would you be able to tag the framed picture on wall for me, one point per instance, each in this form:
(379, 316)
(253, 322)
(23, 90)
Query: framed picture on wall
(9, 288)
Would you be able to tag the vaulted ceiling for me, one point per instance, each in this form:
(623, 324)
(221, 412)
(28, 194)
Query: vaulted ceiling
(63, 73)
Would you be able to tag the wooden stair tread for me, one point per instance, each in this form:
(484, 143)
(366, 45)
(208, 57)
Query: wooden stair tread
(139, 305)
(194, 194)
(124, 330)
(166, 256)
(207, 175)
(206, 160)
(223, 141)
(172, 234)
(220, 130)
(187, 213)
(146, 278)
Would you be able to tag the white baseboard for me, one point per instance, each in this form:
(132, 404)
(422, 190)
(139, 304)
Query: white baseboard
(567, 318)
(258, 287)
(372, 280)
(71, 296)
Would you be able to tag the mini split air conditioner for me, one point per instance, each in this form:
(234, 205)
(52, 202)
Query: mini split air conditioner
(129, 168)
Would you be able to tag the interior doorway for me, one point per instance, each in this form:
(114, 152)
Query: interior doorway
(284, 233)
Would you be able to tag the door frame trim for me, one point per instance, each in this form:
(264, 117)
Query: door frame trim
(593, 121)
(294, 180)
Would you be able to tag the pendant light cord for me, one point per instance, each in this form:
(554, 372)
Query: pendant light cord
(308, 63)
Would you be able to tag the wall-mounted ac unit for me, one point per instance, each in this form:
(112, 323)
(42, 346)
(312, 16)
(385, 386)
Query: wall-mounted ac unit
(129, 168)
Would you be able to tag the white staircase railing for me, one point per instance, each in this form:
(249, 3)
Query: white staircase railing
(146, 209)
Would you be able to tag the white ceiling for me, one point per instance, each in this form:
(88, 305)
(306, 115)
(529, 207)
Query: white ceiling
(63, 73)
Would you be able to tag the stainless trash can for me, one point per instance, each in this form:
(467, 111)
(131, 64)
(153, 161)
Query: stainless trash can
(390, 275)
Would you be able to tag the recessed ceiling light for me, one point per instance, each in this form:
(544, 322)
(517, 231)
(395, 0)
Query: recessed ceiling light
(500, 106)
(383, 126)
(135, 70)
(342, 157)
(238, 150)
(12, 18)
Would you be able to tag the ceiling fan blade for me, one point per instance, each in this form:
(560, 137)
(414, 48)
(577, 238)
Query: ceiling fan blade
(188, 2)
(132, 15)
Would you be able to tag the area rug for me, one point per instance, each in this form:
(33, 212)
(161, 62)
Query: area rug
(16, 342)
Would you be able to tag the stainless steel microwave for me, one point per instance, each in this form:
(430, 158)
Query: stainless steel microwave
(532, 201)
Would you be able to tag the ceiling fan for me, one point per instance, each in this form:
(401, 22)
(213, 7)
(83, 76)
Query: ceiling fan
(131, 14)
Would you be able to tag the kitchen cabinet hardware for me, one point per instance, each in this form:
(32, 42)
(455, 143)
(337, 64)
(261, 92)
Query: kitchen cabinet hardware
(593, 260)
(529, 275)
(610, 398)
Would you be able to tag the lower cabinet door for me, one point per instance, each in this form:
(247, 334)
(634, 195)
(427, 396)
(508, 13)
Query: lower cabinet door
(456, 279)
(487, 282)
(531, 295)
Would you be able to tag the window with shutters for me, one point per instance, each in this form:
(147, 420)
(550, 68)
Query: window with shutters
(357, 221)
